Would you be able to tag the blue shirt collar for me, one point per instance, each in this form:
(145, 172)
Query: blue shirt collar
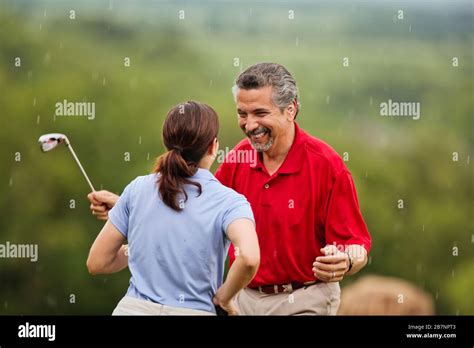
(203, 174)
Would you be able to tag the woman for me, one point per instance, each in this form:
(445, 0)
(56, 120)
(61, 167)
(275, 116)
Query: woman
(179, 222)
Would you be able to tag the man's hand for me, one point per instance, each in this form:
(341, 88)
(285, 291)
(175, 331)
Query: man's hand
(333, 266)
(228, 306)
(101, 203)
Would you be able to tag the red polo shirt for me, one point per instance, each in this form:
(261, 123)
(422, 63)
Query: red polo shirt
(308, 203)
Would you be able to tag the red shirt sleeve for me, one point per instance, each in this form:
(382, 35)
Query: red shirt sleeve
(223, 175)
(344, 222)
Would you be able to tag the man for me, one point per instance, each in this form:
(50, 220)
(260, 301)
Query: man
(310, 229)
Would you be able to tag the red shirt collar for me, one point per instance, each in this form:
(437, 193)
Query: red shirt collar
(293, 159)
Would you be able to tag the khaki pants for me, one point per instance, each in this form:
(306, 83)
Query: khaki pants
(135, 306)
(318, 299)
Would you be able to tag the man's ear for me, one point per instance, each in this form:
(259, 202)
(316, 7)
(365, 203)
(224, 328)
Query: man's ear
(292, 110)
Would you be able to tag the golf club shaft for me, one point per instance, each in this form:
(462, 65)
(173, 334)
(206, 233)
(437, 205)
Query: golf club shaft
(80, 166)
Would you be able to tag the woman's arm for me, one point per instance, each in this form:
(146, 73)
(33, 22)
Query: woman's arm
(108, 254)
(242, 234)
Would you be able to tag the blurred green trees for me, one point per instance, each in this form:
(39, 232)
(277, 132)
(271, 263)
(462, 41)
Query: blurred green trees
(198, 57)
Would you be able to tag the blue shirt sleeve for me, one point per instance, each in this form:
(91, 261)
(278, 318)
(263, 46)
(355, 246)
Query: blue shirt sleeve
(238, 208)
(119, 215)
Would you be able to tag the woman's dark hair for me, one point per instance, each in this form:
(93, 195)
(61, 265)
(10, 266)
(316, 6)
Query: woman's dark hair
(189, 129)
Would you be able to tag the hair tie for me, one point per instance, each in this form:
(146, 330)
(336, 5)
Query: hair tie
(177, 148)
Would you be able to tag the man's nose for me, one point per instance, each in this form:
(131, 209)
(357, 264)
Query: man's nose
(251, 124)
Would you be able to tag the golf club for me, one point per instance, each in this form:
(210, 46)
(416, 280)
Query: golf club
(52, 140)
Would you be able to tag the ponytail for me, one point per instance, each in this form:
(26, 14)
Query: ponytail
(188, 132)
(174, 173)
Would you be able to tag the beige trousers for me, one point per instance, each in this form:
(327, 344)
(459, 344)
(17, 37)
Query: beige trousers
(318, 299)
(135, 306)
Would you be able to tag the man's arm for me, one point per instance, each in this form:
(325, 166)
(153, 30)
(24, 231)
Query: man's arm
(357, 255)
(344, 228)
(335, 265)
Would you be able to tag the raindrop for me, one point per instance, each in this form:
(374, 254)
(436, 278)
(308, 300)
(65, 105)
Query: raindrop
(47, 58)
(419, 267)
(51, 301)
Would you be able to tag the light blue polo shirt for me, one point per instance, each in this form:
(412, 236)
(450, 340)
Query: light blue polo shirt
(177, 258)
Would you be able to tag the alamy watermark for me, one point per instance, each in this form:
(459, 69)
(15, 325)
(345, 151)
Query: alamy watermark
(357, 251)
(400, 109)
(237, 156)
(66, 108)
(28, 330)
(25, 251)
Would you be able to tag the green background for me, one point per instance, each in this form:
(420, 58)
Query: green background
(173, 60)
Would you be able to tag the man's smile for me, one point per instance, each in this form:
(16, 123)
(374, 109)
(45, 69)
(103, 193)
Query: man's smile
(260, 138)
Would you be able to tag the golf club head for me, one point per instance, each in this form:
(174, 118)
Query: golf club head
(51, 140)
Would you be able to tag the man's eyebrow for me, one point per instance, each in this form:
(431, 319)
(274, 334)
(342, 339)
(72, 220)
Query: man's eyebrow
(255, 110)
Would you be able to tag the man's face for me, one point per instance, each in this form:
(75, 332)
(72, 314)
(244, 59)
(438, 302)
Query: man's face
(259, 118)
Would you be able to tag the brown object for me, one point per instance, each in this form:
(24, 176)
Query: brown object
(277, 289)
(378, 295)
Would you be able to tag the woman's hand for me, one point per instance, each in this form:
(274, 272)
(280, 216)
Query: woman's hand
(228, 306)
(101, 203)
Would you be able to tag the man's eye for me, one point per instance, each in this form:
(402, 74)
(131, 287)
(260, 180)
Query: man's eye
(242, 115)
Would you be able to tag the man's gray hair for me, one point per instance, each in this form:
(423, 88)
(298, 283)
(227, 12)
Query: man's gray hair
(270, 74)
